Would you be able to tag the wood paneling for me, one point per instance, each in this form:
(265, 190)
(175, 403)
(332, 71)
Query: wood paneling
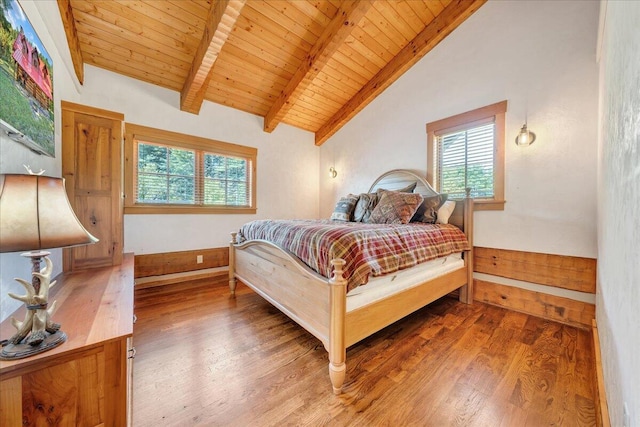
(452, 16)
(560, 309)
(574, 273)
(66, 13)
(334, 34)
(220, 21)
(179, 262)
(263, 57)
(447, 364)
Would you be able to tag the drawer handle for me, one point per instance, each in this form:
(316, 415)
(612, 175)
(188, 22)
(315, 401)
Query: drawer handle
(132, 353)
(135, 318)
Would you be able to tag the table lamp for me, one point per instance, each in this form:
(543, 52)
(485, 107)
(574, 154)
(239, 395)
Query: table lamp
(35, 214)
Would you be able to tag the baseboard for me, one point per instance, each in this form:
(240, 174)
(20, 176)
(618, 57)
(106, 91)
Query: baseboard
(546, 306)
(555, 287)
(602, 409)
(166, 263)
(188, 276)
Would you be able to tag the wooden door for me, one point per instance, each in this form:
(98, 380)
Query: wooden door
(92, 168)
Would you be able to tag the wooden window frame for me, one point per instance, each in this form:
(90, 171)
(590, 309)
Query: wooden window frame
(494, 112)
(135, 132)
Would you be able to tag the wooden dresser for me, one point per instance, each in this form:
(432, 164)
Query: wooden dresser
(85, 381)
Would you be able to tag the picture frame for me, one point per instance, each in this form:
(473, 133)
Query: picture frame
(26, 82)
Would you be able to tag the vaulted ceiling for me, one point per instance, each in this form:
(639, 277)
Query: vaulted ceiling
(313, 64)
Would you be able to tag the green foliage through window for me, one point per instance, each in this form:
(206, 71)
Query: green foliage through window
(225, 180)
(181, 176)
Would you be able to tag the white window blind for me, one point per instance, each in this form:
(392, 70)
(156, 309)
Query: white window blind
(466, 159)
(182, 176)
(226, 180)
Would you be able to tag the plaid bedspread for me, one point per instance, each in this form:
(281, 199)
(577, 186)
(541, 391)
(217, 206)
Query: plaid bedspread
(368, 249)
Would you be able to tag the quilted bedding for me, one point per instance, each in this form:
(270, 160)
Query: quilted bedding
(368, 249)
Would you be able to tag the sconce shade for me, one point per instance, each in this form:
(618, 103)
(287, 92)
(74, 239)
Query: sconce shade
(525, 137)
(36, 214)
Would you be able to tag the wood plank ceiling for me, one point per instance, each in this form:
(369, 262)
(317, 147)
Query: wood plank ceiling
(312, 64)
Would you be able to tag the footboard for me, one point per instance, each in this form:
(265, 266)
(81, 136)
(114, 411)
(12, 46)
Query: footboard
(312, 301)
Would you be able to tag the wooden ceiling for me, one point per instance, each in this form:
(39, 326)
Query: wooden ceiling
(312, 64)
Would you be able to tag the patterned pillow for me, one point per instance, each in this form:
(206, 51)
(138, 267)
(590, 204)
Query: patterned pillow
(395, 207)
(366, 203)
(427, 212)
(344, 208)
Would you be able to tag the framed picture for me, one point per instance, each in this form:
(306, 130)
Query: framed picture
(26, 82)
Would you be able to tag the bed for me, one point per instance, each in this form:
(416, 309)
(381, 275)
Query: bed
(321, 304)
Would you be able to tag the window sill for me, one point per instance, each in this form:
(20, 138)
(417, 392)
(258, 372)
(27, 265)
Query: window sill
(488, 205)
(178, 210)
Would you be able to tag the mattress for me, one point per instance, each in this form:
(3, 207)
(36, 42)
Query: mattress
(381, 287)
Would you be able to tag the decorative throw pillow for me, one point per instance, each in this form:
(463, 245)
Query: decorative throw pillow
(427, 212)
(395, 207)
(445, 211)
(366, 203)
(344, 208)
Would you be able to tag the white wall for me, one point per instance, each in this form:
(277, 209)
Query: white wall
(540, 56)
(14, 155)
(287, 162)
(619, 214)
(287, 158)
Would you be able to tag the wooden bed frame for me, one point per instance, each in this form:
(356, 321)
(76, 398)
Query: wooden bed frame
(319, 304)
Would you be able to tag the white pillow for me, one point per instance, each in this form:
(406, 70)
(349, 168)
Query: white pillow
(445, 212)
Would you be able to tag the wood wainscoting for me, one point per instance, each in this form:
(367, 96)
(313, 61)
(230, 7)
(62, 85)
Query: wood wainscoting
(572, 274)
(174, 267)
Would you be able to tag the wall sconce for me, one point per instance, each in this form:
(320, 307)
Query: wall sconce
(332, 172)
(525, 137)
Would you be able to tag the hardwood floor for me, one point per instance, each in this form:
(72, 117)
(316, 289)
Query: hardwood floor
(204, 358)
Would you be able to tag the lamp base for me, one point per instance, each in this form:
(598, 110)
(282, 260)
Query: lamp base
(22, 350)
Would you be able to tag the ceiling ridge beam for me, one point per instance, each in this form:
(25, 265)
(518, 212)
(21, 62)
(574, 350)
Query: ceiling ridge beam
(220, 22)
(346, 18)
(69, 23)
(443, 24)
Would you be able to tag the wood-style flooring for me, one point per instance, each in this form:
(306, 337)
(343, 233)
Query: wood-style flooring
(204, 358)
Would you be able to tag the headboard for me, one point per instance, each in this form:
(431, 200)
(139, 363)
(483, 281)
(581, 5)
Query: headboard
(399, 178)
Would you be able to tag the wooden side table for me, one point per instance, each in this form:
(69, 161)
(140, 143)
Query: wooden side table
(85, 381)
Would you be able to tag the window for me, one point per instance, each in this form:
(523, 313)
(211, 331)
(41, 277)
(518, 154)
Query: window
(167, 172)
(467, 150)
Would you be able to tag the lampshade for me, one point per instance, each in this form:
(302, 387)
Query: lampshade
(525, 137)
(36, 214)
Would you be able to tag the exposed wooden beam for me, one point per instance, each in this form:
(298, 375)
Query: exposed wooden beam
(346, 18)
(453, 15)
(72, 38)
(220, 22)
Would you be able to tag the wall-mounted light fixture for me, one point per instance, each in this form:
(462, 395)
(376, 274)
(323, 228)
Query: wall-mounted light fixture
(332, 172)
(525, 137)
